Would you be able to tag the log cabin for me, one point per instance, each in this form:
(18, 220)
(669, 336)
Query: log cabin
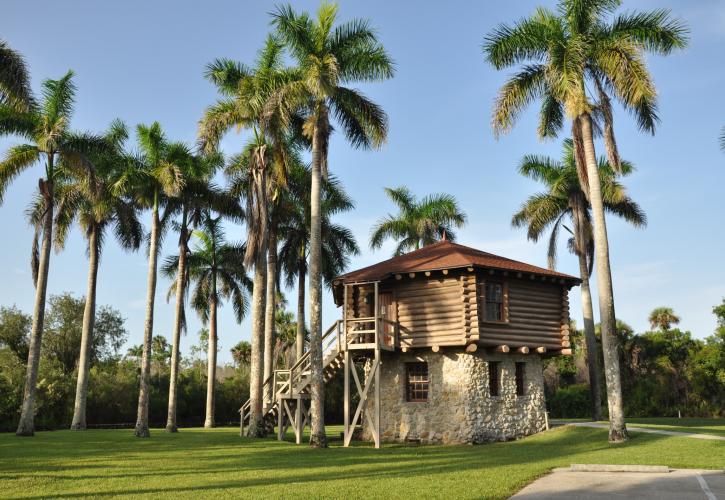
(444, 344)
(462, 335)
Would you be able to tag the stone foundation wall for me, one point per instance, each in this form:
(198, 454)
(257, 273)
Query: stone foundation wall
(459, 408)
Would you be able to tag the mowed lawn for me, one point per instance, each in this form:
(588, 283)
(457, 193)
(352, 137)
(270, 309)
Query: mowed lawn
(210, 463)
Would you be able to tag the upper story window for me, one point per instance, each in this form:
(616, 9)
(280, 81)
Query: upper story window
(493, 296)
(416, 386)
(520, 378)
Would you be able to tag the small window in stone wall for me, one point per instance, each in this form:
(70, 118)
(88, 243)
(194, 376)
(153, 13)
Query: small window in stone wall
(416, 382)
(493, 382)
(520, 375)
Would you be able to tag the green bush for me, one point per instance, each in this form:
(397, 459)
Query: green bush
(570, 402)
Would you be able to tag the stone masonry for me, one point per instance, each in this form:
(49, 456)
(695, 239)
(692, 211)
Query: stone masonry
(459, 407)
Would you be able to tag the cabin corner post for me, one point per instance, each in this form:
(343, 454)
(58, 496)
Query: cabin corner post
(378, 362)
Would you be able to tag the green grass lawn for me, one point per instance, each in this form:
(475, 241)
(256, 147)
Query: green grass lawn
(206, 463)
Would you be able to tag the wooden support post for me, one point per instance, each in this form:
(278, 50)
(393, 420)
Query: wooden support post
(280, 419)
(346, 403)
(377, 398)
(502, 348)
(541, 349)
(471, 347)
(299, 423)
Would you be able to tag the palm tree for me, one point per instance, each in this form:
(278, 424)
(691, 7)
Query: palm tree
(329, 57)
(418, 223)
(564, 199)
(562, 53)
(262, 164)
(197, 196)
(15, 91)
(91, 202)
(152, 177)
(46, 126)
(338, 242)
(217, 269)
(663, 318)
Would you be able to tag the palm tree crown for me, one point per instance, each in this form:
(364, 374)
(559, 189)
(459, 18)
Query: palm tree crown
(551, 208)
(663, 318)
(418, 223)
(15, 91)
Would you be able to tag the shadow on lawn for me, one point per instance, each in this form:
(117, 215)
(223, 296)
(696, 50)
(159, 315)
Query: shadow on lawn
(267, 462)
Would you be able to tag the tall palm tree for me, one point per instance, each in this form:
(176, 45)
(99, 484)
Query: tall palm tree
(262, 165)
(564, 199)
(195, 199)
(329, 57)
(91, 201)
(562, 53)
(47, 128)
(418, 223)
(152, 177)
(15, 91)
(338, 242)
(217, 269)
(663, 318)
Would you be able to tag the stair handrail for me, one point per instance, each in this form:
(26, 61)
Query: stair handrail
(295, 368)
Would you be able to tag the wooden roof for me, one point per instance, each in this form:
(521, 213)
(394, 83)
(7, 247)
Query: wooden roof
(445, 255)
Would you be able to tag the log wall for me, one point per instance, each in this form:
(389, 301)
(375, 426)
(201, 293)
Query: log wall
(446, 310)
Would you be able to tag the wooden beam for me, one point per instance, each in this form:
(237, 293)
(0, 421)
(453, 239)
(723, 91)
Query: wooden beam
(566, 352)
(471, 347)
(490, 271)
(523, 350)
(445, 272)
(398, 277)
(436, 348)
(541, 349)
(502, 348)
(404, 349)
(427, 273)
(469, 269)
(565, 343)
(411, 275)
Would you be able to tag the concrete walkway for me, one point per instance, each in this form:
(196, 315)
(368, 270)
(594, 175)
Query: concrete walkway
(634, 428)
(678, 484)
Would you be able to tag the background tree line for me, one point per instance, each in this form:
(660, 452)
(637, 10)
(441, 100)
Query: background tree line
(665, 371)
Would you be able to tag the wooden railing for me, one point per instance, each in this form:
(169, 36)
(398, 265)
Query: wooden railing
(279, 384)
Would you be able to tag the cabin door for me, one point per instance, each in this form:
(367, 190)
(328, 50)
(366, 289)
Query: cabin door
(388, 318)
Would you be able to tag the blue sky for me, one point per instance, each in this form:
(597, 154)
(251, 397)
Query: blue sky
(143, 61)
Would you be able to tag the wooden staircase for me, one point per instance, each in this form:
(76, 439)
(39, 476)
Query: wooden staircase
(292, 387)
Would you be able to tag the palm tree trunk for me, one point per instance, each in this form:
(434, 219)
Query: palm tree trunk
(270, 307)
(318, 437)
(211, 361)
(89, 319)
(588, 314)
(617, 427)
(300, 343)
(142, 414)
(180, 285)
(26, 425)
(256, 423)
